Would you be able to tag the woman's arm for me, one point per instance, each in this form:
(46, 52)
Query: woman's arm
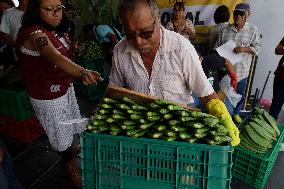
(189, 29)
(231, 72)
(41, 43)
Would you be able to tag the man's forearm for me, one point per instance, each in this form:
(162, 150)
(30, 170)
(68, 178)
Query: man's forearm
(208, 98)
(247, 50)
(229, 67)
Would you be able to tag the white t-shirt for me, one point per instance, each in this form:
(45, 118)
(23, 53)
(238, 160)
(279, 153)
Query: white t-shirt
(176, 73)
(11, 22)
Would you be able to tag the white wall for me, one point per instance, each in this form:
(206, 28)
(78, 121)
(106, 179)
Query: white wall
(16, 2)
(268, 16)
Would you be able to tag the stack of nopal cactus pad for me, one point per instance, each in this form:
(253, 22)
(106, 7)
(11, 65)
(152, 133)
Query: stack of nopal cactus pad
(259, 132)
(159, 119)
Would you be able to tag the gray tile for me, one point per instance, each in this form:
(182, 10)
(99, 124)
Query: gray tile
(32, 164)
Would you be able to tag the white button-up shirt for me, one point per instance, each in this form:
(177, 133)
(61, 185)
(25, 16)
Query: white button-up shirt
(176, 71)
(214, 32)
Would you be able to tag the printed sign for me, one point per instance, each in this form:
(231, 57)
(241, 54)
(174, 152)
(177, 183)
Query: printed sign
(200, 12)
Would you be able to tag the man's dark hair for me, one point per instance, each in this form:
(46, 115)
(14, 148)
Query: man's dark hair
(9, 2)
(130, 5)
(222, 14)
(179, 6)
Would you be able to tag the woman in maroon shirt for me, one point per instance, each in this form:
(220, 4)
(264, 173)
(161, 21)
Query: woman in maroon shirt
(44, 53)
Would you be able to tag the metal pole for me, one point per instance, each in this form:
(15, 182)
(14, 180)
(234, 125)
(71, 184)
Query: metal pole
(264, 86)
(249, 81)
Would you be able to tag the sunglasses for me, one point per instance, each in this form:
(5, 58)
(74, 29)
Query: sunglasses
(144, 35)
(237, 12)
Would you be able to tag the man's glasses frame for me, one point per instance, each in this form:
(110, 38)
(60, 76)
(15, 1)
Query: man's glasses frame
(144, 35)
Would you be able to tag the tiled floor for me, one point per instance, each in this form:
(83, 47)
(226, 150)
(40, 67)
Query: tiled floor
(38, 167)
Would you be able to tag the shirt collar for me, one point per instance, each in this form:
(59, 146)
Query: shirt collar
(245, 27)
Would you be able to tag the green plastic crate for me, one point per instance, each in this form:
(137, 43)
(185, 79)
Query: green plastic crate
(15, 102)
(254, 169)
(92, 92)
(97, 64)
(95, 91)
(110, 162)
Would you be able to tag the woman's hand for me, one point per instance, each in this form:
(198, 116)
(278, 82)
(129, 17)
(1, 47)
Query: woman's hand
(191, 33)
(89, 77)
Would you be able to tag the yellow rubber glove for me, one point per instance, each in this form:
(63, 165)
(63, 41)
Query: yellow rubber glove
(217, 108)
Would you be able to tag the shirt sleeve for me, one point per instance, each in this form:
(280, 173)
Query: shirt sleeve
(194, 74)
(116, 76)
(213, 36)
(256, 43)
(4, 26)
(218, 41)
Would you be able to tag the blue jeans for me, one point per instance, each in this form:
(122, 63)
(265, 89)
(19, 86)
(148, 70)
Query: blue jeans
(241, 88)
(278, 98)
(11, 181)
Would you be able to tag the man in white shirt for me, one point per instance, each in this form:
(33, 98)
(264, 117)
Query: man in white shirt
(11, 23)
(164, 65)
(159, 62)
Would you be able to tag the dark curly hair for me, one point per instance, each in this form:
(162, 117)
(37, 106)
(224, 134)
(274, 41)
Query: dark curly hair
(32, 17)
(179, 6)
(222, 14)
(9, 2)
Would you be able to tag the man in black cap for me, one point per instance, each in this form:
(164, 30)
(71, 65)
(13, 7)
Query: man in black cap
(248, 42)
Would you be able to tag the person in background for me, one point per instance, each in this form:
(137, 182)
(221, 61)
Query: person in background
(212, 64)
(11, 22)
(108, 36)
(68, 20)
(88, 33)
(278, 88)
(4, 5)
(248, 41)
(180, 23)
(88, 38)
(8, 179)
(214, 67)
(47, 72)
(221, 19)
(159, 62)
(6, 53)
